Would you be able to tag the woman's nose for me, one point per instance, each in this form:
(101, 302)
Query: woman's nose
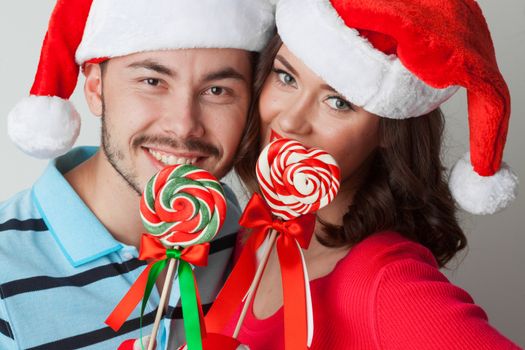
(296, 118)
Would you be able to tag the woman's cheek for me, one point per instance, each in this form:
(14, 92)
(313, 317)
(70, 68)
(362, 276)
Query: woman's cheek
(268, 110)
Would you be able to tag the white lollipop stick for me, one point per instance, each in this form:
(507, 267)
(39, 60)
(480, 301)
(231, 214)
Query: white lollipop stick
(255, 283)
(163, 298)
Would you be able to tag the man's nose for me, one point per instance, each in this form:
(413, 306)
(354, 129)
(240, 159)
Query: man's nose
(183, 118)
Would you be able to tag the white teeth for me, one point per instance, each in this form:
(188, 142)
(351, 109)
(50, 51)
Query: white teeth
(171, 159)
(157, 155)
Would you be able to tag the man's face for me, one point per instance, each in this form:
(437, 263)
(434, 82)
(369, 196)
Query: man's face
(174, 107)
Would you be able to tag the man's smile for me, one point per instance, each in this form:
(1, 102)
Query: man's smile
(169, 157)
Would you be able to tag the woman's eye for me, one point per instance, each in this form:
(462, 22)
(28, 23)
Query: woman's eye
(152, 81)
(284, 77)
(338, 104)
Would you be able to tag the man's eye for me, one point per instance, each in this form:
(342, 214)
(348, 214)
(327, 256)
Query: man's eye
(216, 90)
(338, 104)
(152, 81)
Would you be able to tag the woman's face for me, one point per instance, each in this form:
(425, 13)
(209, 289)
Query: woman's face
(295, 103)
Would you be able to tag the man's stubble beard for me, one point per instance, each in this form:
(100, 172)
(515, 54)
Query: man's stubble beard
(115, 156)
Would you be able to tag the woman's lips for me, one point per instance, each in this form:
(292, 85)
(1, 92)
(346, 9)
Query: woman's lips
(275, 136)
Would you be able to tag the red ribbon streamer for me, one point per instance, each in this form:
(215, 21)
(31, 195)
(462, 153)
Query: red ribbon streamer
(151, 248)
(257, 216)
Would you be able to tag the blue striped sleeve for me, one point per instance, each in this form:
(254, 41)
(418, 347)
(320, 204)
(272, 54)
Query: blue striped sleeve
(7, 339)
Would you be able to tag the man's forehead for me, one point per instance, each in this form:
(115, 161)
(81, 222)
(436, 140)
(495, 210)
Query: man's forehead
(209, 63)
(211, 56)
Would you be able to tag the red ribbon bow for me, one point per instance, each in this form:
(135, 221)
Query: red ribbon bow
(152, 249)
(258, 217)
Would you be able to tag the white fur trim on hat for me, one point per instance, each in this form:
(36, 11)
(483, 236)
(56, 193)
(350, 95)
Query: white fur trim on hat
(121, 27)
(379, 83)
(43, 126)
(482, 195)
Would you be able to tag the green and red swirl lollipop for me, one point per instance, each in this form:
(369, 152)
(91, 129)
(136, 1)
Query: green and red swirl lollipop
(183, 205)
(182, 208)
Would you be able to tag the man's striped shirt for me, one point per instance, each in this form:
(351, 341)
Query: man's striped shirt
(62, 272)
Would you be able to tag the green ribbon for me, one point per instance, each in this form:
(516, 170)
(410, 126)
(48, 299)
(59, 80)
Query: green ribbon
(188, 295)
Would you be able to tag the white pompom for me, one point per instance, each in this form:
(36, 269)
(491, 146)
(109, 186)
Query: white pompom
(43, 126)
(482, 195)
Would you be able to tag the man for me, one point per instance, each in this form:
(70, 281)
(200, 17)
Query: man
(171, 81)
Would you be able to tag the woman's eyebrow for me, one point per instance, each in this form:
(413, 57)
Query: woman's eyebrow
(287, 65)
(329, 88)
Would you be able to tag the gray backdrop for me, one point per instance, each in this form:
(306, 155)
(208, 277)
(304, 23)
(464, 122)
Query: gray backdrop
(492, 268)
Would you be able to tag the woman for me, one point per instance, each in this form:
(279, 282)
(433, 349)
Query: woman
(373, 262)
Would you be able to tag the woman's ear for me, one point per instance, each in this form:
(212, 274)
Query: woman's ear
(93, 88)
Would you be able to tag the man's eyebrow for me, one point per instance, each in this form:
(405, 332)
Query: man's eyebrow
(154, 66)
(225, 73)
(287, 65)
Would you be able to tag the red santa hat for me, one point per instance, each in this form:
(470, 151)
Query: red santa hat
(402, 59)
(45, 124)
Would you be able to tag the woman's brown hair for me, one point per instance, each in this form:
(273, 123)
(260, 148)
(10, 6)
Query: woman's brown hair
(405, 189)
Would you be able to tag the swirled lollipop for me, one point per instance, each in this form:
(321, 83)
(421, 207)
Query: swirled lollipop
(294, 180)
(182, 208)
(183, 205)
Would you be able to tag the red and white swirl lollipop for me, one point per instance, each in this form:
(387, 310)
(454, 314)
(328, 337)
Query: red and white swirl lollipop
(294, 180)
(183, 205)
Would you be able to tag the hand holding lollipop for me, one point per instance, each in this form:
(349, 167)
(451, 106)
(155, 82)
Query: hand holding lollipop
(183, 208)
(295, 182)
(219, 342)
